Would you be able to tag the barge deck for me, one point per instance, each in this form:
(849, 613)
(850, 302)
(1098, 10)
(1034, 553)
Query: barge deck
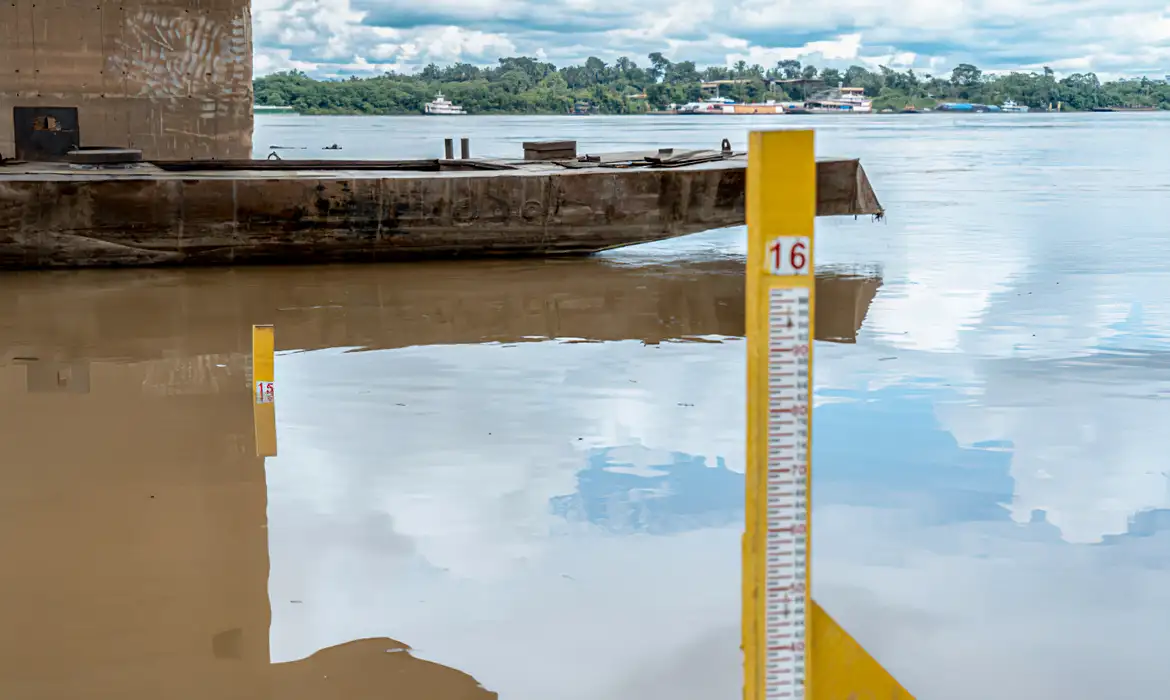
(280, 211)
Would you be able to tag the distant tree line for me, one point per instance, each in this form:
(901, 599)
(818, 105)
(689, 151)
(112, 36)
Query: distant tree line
(523, 85)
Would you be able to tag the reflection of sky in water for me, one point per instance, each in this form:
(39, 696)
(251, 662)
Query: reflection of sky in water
(629, 489)
(462, 549)
(990, 458)
(883, 448)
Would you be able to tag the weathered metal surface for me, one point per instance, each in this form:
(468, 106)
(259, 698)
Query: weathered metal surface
(277, 164)
(550, 150)
(104, 156)
(45, 133)
(53, 216)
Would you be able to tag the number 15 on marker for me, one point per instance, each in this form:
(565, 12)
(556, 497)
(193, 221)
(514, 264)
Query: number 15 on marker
(787, 255)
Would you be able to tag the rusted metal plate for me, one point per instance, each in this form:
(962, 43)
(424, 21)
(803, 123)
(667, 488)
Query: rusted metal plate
(549, 145)
(550, 150)
(290, 164)
(45, 133)
(104, 156)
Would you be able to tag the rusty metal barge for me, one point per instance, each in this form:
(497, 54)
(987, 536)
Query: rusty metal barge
(194, 212)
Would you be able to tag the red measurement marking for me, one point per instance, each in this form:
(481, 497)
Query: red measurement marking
(796, 255)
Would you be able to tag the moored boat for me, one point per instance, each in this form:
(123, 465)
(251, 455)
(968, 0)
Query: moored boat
(442, 106)
(723, 105)
(966, 107)
(768, 107)
(840, 100)
(713, 105)
(1124, 109)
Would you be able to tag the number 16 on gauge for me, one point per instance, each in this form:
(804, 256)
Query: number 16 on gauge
(787, 255)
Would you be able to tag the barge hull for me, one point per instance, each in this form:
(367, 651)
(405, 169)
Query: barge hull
(55, 216)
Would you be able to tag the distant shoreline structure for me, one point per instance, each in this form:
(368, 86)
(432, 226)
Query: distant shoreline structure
(528, 86)
(725, 107)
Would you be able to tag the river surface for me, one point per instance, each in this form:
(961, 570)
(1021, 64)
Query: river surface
(526, 478)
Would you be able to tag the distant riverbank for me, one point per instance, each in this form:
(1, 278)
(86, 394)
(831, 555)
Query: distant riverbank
(526, 86)
(934, 109)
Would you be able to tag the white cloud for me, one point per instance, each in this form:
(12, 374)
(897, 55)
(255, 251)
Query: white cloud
(340, 36)
(846, 47)
(279, 60)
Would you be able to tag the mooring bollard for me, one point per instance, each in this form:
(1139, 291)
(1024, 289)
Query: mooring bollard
(449, 149)
(792, 648)
(464, 148)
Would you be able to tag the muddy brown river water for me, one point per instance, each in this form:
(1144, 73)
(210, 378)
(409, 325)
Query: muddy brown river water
(525, 479)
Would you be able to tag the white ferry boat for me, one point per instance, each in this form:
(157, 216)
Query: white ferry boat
(848, 100)
(714, 105)
(1011, 106)
(441, 105)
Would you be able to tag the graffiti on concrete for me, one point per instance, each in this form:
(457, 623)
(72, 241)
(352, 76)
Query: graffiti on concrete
(166, 53)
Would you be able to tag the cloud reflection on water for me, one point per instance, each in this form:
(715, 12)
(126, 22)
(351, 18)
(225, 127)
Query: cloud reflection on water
(592, 489)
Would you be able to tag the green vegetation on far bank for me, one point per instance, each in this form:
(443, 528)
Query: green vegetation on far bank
(524, 85)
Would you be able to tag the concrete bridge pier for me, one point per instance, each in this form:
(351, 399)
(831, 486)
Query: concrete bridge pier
(173, 79)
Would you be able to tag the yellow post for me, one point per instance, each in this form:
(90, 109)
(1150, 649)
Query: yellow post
(264, 389)
(792, 648)
(781, 210)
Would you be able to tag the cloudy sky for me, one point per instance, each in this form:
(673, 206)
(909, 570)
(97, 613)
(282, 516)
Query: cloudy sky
(330, 37)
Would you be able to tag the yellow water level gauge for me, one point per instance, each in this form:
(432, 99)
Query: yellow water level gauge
(786, 493)
(792, 649)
